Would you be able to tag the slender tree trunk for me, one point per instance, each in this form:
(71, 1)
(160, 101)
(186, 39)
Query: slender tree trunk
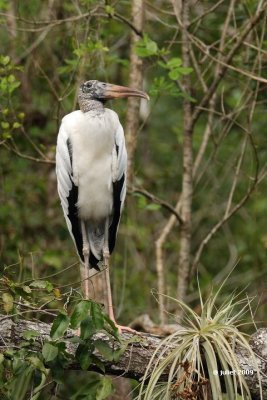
(187, 180)
(135, 81)
(122, 386)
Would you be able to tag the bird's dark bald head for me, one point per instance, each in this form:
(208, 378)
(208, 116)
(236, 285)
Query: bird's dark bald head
(92, 90)
(95, 91)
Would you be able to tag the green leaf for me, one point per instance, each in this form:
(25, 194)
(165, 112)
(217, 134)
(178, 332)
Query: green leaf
(6, 135)
(174, 74)
(5, 125)
(5, 111)
(49, 352)
(49, 286)
(28, 335)
(26, 289)
(98, 363)
(104, 389)
(83, 355)
(146, 47)
(97, 316)
(8, 302)
(4, 60)
(151, 47)
(38, 284)
(16, 125)
(60, 325)
(87, 328)
(80, 312)
(41, 284)
(104, 349)
(174, 63)
(2, 358)
(185, 71)
(161, 86)
(114, 330)
(110, 10)
(11, 78)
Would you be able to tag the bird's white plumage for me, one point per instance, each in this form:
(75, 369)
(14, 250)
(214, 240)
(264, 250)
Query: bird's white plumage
(91, 155)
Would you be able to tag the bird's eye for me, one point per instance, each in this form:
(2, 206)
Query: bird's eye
(86, 87)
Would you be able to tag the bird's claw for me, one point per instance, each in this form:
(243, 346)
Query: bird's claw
(122, 328)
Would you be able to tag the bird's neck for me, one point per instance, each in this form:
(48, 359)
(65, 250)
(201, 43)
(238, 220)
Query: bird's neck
(91, 105)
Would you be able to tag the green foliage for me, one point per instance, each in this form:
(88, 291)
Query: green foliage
(24, 371)
(8, 81)
(146, 47)
(60, 325)
(161, 86)
(174, 66)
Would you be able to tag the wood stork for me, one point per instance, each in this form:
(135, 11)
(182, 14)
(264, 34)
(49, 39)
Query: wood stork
(91, 163)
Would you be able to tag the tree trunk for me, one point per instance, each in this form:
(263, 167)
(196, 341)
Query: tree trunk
(136, 82)
(182, 16)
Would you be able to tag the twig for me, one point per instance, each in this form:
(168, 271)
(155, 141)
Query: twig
(230, 213)
(157, 200)
(160, 264)
(227, 60)
(212, 100)
(236, 176)
(210, 10)
(27, 157)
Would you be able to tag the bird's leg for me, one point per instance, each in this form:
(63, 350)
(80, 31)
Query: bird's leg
(108, 294)
(107, 291)
(86, 252)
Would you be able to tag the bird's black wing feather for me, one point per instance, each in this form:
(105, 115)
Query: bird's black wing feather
(119, 186)
(117, 207)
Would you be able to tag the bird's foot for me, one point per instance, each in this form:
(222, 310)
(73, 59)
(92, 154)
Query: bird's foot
(122, 328)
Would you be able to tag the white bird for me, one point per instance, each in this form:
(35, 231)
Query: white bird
(91, 164)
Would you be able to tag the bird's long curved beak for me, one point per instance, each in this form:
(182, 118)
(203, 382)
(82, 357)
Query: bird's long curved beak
(115, 91)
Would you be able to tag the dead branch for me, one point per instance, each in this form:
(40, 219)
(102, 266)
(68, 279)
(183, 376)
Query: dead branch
(135, 359)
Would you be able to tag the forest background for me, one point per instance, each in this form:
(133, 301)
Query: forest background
(196, 203)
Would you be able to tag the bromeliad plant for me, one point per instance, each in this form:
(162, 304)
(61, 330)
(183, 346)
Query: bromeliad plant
(194, 356)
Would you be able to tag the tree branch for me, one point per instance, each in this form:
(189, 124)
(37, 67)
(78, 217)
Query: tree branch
(135, 359)
(157, 200)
